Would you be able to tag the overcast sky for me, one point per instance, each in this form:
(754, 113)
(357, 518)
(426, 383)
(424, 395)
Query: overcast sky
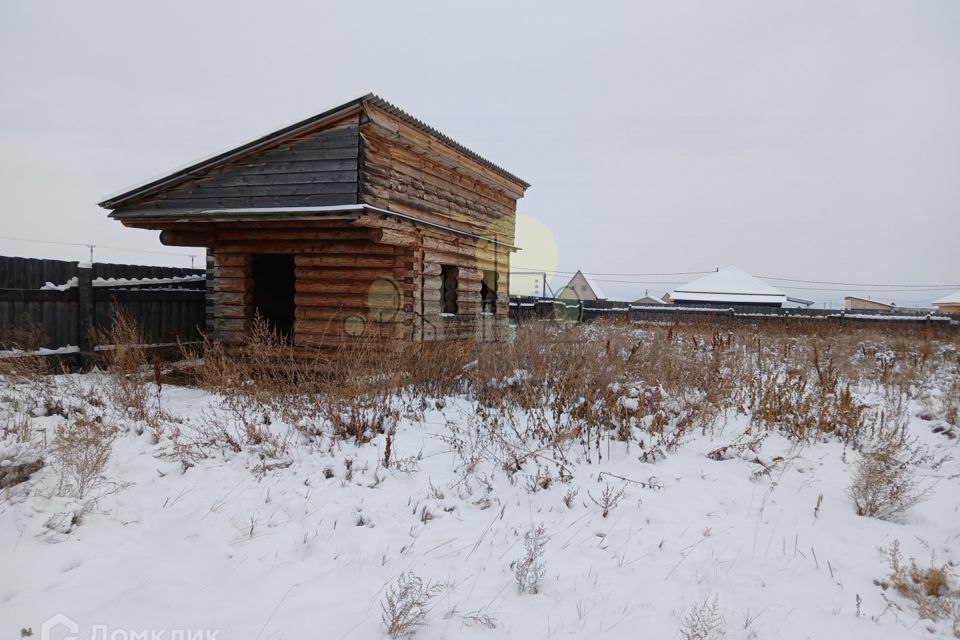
(807, 140)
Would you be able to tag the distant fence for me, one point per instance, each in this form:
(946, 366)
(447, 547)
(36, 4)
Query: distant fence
(531, 308)
(68, 302)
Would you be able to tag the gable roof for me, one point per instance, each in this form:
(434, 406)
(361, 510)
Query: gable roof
(729, 284)
(953, 298)
(594, 287)
(280, 135)
(597, 291)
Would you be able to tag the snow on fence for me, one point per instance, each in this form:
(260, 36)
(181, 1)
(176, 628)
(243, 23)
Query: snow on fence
(66, 300)
(527, 308)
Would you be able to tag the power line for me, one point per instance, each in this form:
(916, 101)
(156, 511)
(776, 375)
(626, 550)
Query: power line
(540, 273)
(93, 246)
(594, 273)
(855, 289)
(878, 287)
(865, 284)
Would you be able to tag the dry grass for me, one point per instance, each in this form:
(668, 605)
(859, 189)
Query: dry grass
(529, 570)
(406, 604)
(885, 483)
(126, 360)
(553, 394)
(931, 590)
(81, 449)
(703, 620)
(584, 383)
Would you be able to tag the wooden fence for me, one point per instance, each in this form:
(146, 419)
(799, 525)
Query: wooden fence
(529, 308)
(68, 303)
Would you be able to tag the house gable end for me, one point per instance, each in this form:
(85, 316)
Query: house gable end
(316, 168)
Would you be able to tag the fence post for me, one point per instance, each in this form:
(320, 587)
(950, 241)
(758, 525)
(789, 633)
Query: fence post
(85, 312)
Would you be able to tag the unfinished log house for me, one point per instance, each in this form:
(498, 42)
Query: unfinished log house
(361, 222)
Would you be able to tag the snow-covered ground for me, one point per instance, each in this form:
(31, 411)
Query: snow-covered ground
(307, 543)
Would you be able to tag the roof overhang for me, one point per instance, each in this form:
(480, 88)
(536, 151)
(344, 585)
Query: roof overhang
(344, 212)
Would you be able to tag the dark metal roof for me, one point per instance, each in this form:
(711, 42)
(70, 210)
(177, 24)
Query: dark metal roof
(180, 175)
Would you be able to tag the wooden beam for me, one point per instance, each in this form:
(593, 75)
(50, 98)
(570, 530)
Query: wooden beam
(172, 238)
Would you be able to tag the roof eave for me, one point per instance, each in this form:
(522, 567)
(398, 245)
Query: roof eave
(351, 212)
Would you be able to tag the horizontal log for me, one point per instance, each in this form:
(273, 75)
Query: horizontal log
(461, 260)
(330, 301)
(228, 311)
(231, 298)
(355, 287)
(331, 274)
(361, 248)
(223, 324)
(396, 238)
(321, 313)
(226, 259)
(230, 272)
(355, 260)
(269, 235)
(238, 285)
(336, 315)
(173, 238)
(319, 224)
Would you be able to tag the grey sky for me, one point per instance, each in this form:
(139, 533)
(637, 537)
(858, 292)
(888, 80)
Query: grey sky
(812, 140)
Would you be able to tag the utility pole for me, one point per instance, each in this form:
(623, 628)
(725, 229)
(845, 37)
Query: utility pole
(91, 247)
(544, 290)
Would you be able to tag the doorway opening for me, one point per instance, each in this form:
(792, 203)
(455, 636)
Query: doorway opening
(274, 290)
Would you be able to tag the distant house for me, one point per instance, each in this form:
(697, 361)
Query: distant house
(581, 287)
(948, 304)
(853, 303)
(728, 287)
(648, 299)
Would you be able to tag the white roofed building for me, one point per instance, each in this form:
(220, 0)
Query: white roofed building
(730, 286)
(649, 299)
(948, 304)
(854, 303)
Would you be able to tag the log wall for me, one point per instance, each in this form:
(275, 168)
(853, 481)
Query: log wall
(403, 169)
(349, 287)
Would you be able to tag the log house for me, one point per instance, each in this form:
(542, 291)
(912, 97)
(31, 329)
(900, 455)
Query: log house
(361, 222)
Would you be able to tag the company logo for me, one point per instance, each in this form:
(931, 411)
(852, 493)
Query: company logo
(59, 627)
